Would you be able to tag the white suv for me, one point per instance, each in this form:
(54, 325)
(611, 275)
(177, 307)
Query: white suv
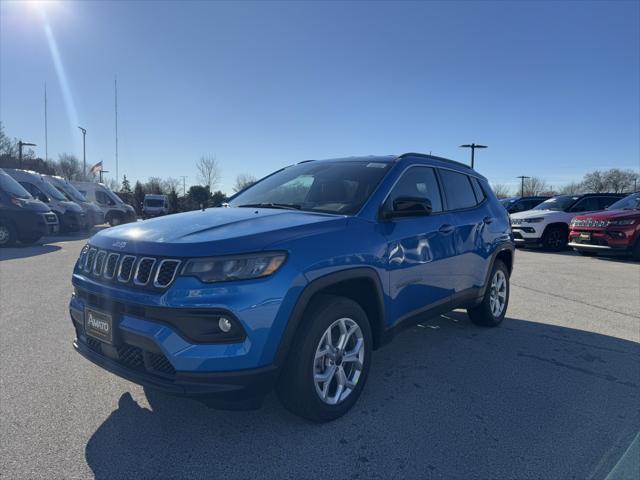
(548, 223)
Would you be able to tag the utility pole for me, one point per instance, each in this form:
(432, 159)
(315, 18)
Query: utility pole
(184, 185)
(116, 107)
(473, 147)
(101, 172)
(20, 145)
(522, 179)
(84, 151)
(46, 139)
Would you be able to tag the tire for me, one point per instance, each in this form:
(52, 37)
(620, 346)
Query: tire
(555, 239)
(486, 313)
(7, 234)
(300, 387)
(635, 253)
(586, 253)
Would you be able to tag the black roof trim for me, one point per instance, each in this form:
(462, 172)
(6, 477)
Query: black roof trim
(442, 159)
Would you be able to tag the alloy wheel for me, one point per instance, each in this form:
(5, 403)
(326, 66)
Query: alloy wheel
(338, 361)
(4, 234)
(498, 293)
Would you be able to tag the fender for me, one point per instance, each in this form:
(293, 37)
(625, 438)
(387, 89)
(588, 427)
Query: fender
(319, 284)
(503, 247)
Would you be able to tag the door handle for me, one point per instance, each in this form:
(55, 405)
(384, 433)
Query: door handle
(488, 220)
(446, 229)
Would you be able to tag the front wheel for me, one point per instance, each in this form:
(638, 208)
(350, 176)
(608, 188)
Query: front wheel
(329, 361)
(7, 234)
(491, 311)
(555, 239)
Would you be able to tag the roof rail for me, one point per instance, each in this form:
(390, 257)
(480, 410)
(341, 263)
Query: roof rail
(442, 159)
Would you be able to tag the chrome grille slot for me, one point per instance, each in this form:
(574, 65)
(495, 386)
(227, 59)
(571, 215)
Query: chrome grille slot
(110, 266)
(99, 263)
(143, 270)
(91, 256)
(166, 272)
(126, 267)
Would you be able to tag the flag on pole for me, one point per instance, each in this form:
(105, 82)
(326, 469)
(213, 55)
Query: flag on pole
(96, 168)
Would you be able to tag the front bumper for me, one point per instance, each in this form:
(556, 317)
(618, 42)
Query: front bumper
(139, 359)
(602, 240)
(525, 235)
(74, 221)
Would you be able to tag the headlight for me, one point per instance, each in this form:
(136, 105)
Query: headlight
(534, 220)
(237, 267)
(627, 221)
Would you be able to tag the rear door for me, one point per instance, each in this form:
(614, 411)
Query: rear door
(420, 250)
(466, 203)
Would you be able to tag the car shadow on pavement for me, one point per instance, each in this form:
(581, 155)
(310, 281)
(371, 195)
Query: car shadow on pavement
(446, 399)
(45, 244)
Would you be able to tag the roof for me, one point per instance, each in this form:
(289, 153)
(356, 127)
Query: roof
(395, 158)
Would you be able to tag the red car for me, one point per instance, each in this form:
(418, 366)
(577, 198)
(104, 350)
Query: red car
(616, 229)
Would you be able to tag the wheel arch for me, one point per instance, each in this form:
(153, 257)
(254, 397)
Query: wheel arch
(362, 285)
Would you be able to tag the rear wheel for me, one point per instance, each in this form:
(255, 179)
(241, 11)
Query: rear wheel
(329, 361)
(555, 239)
(7, 234)
(493, 308)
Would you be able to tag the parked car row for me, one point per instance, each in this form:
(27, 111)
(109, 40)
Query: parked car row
(590, 224)
(34, 205)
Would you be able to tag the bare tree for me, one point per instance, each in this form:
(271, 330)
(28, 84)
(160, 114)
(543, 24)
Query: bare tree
(620, 181)
(572, 188)
(171, 184)
(501, 190)
(154, 185)
(208, 171)
(534, 186)
(595, 182)
(69, 167)
(243, 181)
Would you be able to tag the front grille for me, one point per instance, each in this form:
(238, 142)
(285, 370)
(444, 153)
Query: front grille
(131, 357)
(126, 267)
(159, 363)
(51, 218)
(166, 273)
(110, 267)
(143, 271)
(590, 222)
(100, 257)
(136, 271)
(91, 256)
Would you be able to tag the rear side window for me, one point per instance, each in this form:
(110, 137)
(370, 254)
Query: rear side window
(418, 182)
(477, 189)
(458, 190)
(606, 201)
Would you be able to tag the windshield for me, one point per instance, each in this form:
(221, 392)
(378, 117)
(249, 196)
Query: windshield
(12, 187)
(560, 203)
(112, 195)
(333, 187)
(72, 192)
(506, 202)
(50, 190)
(153, 202)
(632, 202)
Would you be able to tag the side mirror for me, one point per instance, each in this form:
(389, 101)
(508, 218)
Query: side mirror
(408, 207)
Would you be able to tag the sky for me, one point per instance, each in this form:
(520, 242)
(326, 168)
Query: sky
(553, 88)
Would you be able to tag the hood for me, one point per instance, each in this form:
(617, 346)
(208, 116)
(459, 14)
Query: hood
(34, 205)
(609, 215)
(71, 206)
(215, 231)
(537, 213)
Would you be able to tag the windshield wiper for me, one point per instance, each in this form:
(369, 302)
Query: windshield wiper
(284, 206)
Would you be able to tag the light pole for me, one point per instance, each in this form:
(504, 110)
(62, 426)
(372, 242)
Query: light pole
(522, 179)
(20, 145)
(84, 150)
(473, 147)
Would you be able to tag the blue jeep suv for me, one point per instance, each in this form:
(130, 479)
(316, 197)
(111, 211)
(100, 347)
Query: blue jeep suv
(294, 282)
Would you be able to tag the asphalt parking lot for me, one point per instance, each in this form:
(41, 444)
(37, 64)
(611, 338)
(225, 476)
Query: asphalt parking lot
(553, 393)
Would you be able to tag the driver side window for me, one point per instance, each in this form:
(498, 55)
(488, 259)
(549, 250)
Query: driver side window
(418, 182)
(103, 199)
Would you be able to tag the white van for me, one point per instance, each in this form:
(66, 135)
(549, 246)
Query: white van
(115, 210)
(155, 205)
